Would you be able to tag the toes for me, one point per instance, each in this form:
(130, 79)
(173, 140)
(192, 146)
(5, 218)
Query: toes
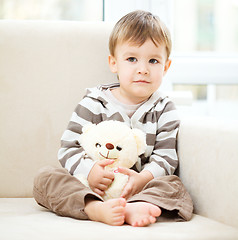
(120, 211)
(141, 223)
(122, 202)
(152, 219)
(117, 221)
(118, 202)
(155, 211)
(135, 224)
(144, 222)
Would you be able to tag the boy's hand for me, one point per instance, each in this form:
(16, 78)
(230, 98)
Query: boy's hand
(136, 181)
(99, 179)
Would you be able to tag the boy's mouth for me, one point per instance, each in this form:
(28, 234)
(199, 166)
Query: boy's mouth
(141, 81)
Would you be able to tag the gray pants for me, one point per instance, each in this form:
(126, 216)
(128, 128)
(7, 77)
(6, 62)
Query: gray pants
(63, 194)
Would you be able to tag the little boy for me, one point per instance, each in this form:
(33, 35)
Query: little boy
(140, 47)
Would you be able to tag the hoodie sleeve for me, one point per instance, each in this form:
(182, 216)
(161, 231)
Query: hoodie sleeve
(164, 159)
(71, 155)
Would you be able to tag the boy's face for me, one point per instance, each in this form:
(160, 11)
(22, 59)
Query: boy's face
(140, 70)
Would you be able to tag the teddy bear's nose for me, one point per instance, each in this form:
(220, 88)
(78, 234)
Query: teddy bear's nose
(109, 146)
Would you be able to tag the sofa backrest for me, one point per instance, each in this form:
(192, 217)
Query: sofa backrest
(45, 67)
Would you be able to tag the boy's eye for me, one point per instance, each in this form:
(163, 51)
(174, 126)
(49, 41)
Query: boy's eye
(131, 59)
(153, 61)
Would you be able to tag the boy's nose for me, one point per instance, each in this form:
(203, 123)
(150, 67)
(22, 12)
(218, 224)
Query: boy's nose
(142, 69)
(143, 72)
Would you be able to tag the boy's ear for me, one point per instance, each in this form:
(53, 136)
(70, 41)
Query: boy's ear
(167, 66)
(112, 64)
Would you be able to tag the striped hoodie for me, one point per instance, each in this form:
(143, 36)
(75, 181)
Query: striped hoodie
(157, 117)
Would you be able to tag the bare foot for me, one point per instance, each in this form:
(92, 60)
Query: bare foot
(140, 214)
(111, 212)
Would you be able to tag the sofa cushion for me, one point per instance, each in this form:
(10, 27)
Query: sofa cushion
(22, 218)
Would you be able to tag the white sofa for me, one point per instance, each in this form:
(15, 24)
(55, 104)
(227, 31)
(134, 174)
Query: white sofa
(45, 67)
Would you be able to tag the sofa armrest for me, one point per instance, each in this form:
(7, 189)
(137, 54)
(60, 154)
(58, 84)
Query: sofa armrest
(208, 153)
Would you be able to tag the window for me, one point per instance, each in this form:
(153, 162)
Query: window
(207, 34)
(79, 10)
(205, 50)
(204, 35)
(206, 25)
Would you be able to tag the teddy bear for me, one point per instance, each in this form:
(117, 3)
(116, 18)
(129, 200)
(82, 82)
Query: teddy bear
(112, 140)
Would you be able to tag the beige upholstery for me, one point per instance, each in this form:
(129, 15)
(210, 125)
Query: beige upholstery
(45, 67)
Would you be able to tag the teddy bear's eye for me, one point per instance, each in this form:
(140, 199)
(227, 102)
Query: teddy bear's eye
(118, 148)
(98, 145)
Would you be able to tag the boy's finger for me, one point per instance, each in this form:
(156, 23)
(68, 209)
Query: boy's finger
(109, 175)
(105, 162)
(124, 171)
(126, 191)
(102, 187)
(106, 181)
(98, 191)
(125, 194)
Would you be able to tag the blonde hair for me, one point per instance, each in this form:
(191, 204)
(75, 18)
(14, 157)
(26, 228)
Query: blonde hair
(137, 27)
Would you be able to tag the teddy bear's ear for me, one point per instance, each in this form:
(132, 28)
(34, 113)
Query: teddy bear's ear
(140, 140)
(88, 127)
